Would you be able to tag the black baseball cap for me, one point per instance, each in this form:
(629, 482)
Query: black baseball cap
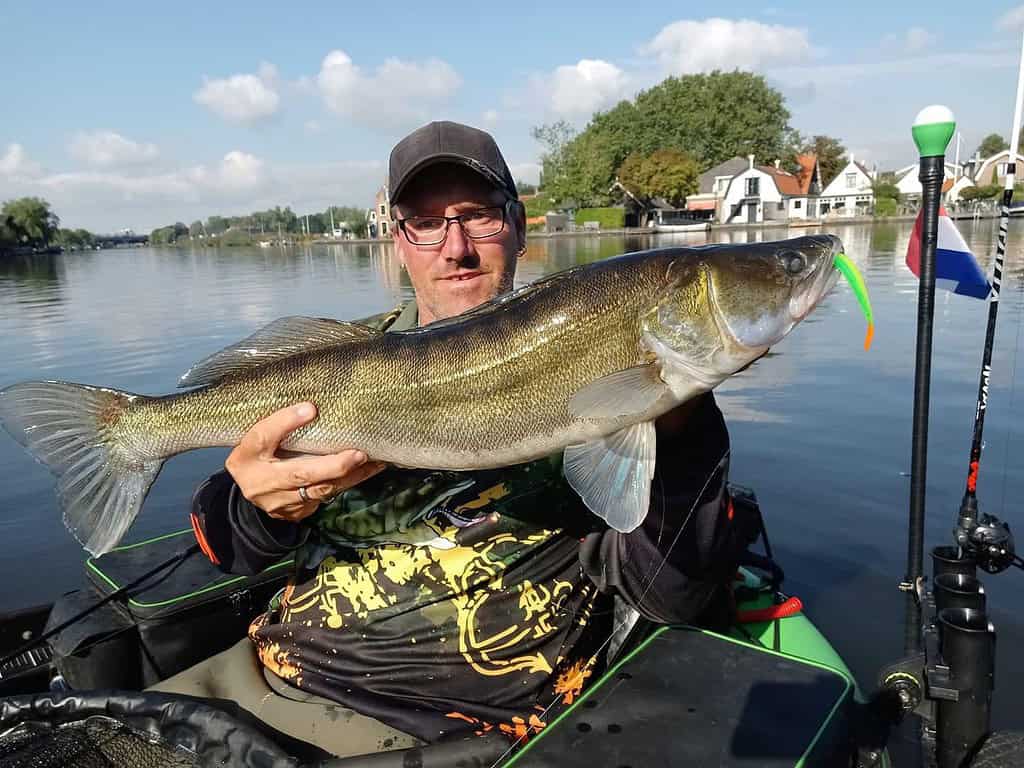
(447, 142)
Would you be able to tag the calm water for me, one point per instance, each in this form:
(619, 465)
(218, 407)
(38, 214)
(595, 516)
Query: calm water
(821, 429)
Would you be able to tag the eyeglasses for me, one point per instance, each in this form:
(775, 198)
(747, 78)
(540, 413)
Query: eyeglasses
(476, 225)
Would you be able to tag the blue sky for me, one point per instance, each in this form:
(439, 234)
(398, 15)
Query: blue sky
(137, 115)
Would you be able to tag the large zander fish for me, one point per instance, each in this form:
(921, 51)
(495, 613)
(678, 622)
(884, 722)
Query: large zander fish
(583, 360)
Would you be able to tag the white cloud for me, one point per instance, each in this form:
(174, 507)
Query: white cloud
(242, 98)
(15, 163)
(106, 149)
(583, 88)
(685, 47)
(914, 40)
(490, 117)
(402, 91)
(312, 127)
(105, 200)
(1012, 20)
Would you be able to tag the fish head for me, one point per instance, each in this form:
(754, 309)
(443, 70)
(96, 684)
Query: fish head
(726, 305)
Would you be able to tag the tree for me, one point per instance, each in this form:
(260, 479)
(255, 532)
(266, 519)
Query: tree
(992, 144)
(555, 137)
(31, 220)
(666, 173)
(672, 175)
(831, 156)
(196, 229)
(885, 188)
(711, 117)
(525, 187)
(215, 225)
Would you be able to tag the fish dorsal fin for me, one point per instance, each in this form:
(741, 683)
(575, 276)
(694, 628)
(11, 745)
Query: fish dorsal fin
(506, 301)
(613, 475)
(623, 393)
(282, 338)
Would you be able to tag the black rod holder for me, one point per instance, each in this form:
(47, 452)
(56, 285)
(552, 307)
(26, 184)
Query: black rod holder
(968, 645)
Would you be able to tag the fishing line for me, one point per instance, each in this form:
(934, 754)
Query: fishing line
(175, 560)
(515, 744)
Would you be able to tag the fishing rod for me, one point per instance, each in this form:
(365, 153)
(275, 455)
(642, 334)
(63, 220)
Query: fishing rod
(987, 538)
(116, 594)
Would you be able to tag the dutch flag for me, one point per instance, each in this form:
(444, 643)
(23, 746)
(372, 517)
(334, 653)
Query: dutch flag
(956, 269)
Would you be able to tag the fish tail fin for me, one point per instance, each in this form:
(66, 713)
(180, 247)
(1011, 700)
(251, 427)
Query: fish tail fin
(102, 479)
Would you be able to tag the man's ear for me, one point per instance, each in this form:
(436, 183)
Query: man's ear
(520, 215)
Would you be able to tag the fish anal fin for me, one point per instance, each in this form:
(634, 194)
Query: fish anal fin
(282, 338)
(621, 394)
(613, 475)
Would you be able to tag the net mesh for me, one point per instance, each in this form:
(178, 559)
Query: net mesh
(96, 742)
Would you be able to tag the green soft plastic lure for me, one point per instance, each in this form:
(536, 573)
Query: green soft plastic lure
(845, 265)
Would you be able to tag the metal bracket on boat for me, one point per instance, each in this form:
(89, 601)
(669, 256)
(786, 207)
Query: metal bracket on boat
(902, 689)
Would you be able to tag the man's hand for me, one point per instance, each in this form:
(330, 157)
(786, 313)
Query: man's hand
(270, 478)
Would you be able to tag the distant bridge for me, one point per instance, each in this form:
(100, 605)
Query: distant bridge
(113, 241)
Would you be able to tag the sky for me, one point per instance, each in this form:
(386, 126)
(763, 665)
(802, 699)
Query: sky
(136, 115)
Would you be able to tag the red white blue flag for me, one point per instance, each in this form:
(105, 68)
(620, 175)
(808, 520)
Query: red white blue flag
(956, 269)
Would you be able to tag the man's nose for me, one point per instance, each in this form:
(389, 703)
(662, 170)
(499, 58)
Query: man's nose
(458, 247)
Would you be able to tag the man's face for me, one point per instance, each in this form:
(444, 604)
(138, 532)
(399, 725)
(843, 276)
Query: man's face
(459, 273)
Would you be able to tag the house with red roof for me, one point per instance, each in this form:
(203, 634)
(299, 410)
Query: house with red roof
(762, 193)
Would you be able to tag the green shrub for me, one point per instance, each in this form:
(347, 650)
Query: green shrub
(608, 218)
(539, 205)
(885, 206)
(235, 237)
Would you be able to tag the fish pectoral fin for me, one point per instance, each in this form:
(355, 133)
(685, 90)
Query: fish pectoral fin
(623, 393)
(613, 475)
(282, 338)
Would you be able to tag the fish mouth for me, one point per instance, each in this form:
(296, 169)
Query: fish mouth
(755, 334)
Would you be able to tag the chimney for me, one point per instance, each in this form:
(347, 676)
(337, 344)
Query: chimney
(777, 161)
(750, 158)
(852, 158)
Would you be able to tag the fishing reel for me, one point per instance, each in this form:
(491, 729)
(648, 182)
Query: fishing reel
(987, 539)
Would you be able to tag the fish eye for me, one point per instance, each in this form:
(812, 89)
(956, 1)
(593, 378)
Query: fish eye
(793, 262)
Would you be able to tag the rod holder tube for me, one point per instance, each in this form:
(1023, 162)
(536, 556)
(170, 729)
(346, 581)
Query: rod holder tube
(931, 172)
(957, 590)
(946, 559)
(968, 643)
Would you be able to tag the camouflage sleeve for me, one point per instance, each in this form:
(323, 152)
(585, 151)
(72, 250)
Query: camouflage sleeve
(235, 535)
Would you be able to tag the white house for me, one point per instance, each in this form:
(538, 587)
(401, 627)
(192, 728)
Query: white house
(849, 193)
(993, 169)
(768, 193)
(909, 186)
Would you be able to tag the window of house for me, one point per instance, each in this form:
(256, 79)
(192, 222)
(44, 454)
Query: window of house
(382, 209)
(851, 180)
(781, 206)
(1001, 169)
(753, 187)
(383, 227)
(721, 185)
(797, 204)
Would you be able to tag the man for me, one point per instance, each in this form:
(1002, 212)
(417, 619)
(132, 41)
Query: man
(426, 603)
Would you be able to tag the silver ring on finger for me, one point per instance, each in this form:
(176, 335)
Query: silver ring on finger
(304, 494)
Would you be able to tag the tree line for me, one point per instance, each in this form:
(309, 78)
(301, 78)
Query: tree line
(659, 143)
(28, 223)
(228, 230)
